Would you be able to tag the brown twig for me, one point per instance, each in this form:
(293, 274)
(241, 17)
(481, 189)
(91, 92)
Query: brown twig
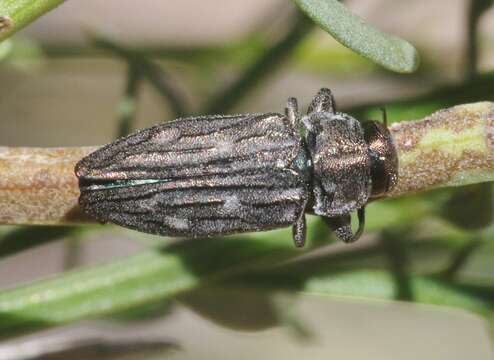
(38, 185)
(451, 147)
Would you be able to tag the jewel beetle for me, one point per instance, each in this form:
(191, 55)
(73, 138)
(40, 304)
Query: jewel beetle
(223, 174)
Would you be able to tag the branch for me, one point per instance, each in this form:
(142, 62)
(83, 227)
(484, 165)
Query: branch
(127, 108)
(452, 147)
(38, 185)
(16, 14)
(156, 76)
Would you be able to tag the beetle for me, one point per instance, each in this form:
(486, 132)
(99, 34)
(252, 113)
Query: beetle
(223, 174)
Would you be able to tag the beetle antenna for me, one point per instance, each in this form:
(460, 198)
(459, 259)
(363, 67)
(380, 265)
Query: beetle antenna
(384, 116)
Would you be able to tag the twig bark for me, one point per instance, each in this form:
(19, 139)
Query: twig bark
(451, 147)
(38, 185)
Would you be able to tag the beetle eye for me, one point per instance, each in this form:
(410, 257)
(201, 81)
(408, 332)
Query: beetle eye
(384, 160)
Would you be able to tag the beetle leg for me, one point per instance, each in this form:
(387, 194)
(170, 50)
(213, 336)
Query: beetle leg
(342, 228)
(299, 231)
(291, 112)
(323, 101)
(321, 199)
(384, 116)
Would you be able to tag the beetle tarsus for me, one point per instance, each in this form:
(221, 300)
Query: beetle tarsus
(323, 102)
(341, 226)
(299, 231)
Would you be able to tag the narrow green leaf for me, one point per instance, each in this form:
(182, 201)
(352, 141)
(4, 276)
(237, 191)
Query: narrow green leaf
(154, 276)
(379, 284)
(115, 287)
(16, 14)
(391, 52)
(139, 280)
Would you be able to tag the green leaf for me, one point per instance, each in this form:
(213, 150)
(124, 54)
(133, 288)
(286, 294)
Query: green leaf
(139, 280)
(157, 275)
(426, 289)
(391, 52)
(16, 14)
(94, 291)
(351, 275)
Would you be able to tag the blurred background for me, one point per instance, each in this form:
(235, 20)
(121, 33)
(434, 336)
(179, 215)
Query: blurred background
(90, 71)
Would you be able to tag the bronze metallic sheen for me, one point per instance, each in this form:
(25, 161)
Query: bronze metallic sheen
(223, 174)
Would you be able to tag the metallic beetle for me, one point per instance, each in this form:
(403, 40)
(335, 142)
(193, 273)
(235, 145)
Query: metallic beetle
(223, 174)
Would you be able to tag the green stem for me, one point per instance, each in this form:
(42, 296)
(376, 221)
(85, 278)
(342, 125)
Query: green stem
(451, 147)
(128, 105)
(16, 14)
(398, 263)
(152, 72)
(461, 257)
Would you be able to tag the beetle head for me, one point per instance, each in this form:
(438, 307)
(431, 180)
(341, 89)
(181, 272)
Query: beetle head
(384, 160)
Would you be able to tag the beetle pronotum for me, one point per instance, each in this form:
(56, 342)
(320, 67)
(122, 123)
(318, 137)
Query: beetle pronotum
(223, 174)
